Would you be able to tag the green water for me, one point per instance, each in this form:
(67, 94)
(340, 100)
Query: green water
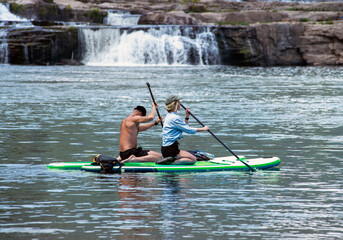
(52, 114)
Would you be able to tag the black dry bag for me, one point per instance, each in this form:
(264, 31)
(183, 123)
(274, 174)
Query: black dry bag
(107, 163)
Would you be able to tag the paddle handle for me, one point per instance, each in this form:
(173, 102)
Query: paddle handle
(253, 170)
(153, 100)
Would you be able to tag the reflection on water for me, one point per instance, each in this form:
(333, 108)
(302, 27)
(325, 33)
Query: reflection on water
(51, 114)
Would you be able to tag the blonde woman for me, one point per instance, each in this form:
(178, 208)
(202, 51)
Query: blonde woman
(174, 126)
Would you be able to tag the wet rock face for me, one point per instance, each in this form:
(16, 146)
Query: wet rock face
(281, 44)
(43, 47)
(322, 45)
(261, 45)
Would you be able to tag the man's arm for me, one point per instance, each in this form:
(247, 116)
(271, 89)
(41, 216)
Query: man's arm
(148, 118)
(144, 127)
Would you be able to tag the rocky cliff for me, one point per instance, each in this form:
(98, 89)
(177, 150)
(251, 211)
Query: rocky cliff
(43, 46)
(248, 33)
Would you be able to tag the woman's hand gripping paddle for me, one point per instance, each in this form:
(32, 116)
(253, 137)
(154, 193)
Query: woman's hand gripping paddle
(251, 169)
(153, 100)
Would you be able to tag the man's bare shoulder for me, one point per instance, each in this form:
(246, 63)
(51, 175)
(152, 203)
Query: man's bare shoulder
(134, 119)
(130, 121)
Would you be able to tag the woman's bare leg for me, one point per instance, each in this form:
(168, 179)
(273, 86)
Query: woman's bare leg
(185, 158)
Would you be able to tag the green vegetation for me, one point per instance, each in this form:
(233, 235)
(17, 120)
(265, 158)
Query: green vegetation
(71, 28)
(95, 15)
(190, 1)
(16, 8)
(245, 51)
(93, 1)
(329, 22)
(304, 9)
(197, 8)
(46, 11)
(303, 20)
(233, 23)
(233, 10)
(48, 1)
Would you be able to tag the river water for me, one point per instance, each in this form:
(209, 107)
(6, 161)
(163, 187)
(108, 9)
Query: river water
(69, 113)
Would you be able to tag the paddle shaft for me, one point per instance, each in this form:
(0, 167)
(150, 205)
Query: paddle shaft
(253, 170)
(153, 100)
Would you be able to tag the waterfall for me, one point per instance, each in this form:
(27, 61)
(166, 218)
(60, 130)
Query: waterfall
(8, 22)
(163, 45)
(3, 46)
(121, 18)
(5, 15)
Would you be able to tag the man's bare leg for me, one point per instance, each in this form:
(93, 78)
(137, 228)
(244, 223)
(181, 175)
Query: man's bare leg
(151, 157)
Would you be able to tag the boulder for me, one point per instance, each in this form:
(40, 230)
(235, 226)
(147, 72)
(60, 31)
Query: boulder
(170, 18)
(208, 18)
(261, 44)
(252, 17)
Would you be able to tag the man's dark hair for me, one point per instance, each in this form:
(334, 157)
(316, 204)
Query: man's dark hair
(141, 109)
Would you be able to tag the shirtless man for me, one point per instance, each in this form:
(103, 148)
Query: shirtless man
(129, 129)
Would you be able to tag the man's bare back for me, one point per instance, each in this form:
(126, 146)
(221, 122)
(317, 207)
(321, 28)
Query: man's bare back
(128, 134)
(129, 129)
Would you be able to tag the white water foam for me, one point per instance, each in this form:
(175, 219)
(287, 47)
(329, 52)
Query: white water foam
(153, 46)
(6, 15)
(115, 18)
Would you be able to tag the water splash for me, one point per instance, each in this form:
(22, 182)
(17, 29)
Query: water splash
(168, 45)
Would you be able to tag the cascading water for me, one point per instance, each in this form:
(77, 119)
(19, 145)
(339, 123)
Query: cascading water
(8, 21)
(132, 44)
(5, 15)
(3, 47)
(121, 18)
(168, 45)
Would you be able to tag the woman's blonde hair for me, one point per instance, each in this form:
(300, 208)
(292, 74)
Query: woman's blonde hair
(171, 107)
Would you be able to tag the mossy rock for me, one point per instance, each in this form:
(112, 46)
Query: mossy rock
(197, 8)
(95, 15)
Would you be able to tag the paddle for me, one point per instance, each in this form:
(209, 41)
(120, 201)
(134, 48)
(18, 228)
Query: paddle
(253, 170)
(153, 100)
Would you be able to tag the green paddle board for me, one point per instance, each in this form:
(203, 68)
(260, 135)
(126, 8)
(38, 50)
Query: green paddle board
(217, 164)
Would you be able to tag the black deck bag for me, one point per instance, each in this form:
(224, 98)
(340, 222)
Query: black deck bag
(107, 163)
(202, 156)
